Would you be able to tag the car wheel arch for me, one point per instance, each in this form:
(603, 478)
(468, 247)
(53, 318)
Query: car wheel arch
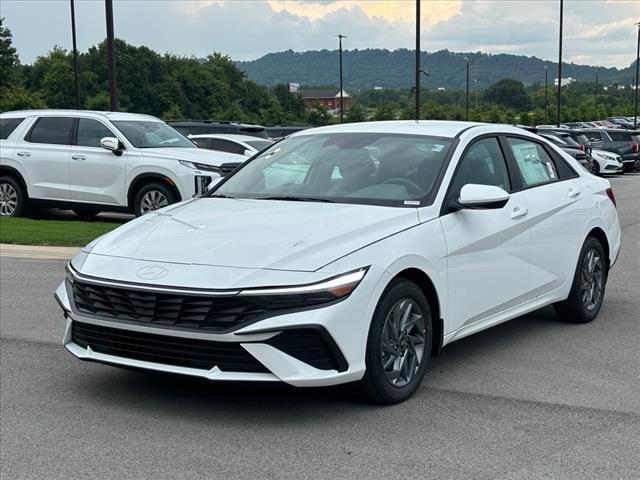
(145, 178)
(424, 282)
(601, 236)
(12, 172)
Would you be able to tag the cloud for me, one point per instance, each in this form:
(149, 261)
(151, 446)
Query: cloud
(599, 32)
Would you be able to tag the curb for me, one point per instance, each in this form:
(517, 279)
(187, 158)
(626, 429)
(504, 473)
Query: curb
(40, 253)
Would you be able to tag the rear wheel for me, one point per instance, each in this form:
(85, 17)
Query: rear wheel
(151, 197)
(13, 199)
(399, 344)
(587, 291)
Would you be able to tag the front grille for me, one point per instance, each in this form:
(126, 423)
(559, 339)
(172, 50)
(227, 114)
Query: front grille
(165, 349)
(213, 314)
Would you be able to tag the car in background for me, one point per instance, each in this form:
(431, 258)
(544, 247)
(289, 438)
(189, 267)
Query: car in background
(99, 161)
(245, 145)
(201, 127)
(276, 132)
(604, 124)
(568, 145)
(625, 143)
(569, 140)
(606, 162)
(359, 270)
(621, 122)
(577, 125)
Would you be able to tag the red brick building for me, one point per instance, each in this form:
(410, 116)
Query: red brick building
(327, 98)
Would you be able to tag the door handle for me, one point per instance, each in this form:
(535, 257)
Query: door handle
(573, 192)
(24, 154)
(78, 157)
(519, 212)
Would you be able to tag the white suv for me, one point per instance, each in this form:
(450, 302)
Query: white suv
(95, 161)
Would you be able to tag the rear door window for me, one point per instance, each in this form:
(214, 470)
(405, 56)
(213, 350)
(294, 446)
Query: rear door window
(8, 125)
(534, 163)
(51, 130)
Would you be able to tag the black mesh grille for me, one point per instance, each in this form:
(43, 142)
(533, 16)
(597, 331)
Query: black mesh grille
(313, 346)
(163, 309)
(165, 349)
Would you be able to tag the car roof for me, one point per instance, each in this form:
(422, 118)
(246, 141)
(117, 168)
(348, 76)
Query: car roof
(438, 128)
(230, 136)
(74, 113)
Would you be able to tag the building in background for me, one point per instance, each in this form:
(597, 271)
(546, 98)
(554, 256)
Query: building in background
(328, 98)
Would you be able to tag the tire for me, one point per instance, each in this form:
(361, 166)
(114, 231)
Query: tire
(13, 199)
(580, 306)
(86, 214)
(152, 196)
(595, 168)
(378, 384)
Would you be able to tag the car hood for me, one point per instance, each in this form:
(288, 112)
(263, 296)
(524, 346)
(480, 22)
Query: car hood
(199, 155)
(245, 233)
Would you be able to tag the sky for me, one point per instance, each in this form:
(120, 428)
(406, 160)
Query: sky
(596, 32)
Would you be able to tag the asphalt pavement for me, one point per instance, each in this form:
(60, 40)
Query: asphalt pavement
(532, 398)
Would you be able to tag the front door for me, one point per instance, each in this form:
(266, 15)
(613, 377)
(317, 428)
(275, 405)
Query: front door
(488, 250)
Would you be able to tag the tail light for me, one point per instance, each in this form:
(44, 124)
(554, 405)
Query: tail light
(581, 147)
(612, 197)
(634, 147)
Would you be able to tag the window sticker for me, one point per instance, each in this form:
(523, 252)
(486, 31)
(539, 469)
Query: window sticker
(533, 169)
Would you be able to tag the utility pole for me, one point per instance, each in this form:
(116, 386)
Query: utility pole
(75, 53)
(595, 117)
(546, 103)
(560, 66)
(418, 69)
(111, 59)
(475, 87)
(340, 37)
(467, 60)
(635, 108)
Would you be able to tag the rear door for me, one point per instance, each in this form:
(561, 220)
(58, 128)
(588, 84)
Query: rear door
(44, 154)
(488, 250)
(557, 212)
(96, 175)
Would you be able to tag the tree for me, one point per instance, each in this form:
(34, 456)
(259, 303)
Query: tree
(508, 92)
(18, 98)
(9, 62)
(385, 111)
(356, 113)
(319, 116)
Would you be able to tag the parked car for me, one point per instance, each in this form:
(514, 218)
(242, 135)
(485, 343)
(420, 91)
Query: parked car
(276, 132)
(359, 270)
(606, 162)
(623, 142)
(577, 125)
(239, 144)
(604, 124)
(96, 161)
(569, 146)
(569, 140)
(200, 127)
(621, 122)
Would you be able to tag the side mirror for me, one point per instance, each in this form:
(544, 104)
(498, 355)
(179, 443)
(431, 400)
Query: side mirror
(475, 196)
(112, 144)
(248, 153)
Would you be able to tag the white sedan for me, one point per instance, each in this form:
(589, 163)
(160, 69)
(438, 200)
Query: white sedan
(350, 253)
(606, 162)
(239, 144)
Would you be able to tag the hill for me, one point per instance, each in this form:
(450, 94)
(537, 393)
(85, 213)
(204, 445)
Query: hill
(394, 69)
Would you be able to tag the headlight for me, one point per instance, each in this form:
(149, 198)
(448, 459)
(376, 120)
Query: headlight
(199, 166)
(329, 290)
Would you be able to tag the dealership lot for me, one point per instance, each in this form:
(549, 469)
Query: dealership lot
(528, 399)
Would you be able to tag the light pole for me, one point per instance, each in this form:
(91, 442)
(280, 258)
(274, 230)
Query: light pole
(75, 53)
(340, 37)
(596, 102)
(559, 65)
(635, 108)
(475, 88)
(111, 59)
(418, 69)
(467, 60)
(546, 103)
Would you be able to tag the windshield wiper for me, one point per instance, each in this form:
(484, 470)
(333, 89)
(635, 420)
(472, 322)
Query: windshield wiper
(293, 198)
(221, 195)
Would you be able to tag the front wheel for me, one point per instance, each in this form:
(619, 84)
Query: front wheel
(13, 199)
(587, 290)
(151, 197)
(595, 168)
(399, 344)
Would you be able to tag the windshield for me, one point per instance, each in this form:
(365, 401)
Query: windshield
(150, 134)
(369, 168)
(259, 144)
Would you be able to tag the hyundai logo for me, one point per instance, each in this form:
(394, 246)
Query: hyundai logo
(151, 272)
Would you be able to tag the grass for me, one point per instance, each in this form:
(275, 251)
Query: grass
(59, 233)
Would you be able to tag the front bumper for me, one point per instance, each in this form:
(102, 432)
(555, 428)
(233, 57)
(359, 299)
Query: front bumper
(343, 327)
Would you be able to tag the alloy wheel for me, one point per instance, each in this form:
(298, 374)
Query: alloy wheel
(592, 277)
(153, 200)
(8, 199)
(403, 342)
